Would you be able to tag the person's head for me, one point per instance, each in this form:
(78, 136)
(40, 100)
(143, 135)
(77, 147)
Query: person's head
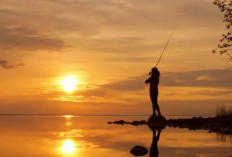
(155, 71)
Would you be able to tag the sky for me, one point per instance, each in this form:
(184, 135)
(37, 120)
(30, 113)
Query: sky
(110, 46)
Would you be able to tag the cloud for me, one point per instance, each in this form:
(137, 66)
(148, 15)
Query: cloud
(201, 78)
(217, 83)
(211, 92)
(135, 83)
(190, 85)
(130, 59)
(4, 64)
(115, 26)
(24, 39)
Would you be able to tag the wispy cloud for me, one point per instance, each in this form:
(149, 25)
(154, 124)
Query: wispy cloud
(200, 78)
(4, 64)
(23, 39)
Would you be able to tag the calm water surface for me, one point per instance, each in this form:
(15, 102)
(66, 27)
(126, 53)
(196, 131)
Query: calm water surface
(66, 136)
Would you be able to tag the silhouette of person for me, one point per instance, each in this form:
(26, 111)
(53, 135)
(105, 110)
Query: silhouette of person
(154, 151)
(154, 82)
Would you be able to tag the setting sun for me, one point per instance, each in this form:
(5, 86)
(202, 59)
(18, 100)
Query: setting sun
(69, 83)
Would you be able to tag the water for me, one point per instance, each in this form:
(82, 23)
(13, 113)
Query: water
(67, 136)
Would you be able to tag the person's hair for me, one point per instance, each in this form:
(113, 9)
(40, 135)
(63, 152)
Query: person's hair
(155, 71)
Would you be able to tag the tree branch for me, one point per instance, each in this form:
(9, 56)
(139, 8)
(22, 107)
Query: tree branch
(229, 55)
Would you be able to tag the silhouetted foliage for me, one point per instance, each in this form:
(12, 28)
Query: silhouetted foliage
(225, 44)
(222, 111)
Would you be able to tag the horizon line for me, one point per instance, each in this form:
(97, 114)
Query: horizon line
(90, 115)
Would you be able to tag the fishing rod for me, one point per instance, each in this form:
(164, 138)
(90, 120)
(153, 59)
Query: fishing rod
(165, 48)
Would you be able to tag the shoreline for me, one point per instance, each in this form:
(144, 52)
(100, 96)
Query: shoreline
(221, 125)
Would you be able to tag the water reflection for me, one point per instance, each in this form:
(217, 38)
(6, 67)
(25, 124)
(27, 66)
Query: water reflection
(49, 136)
(68, 119)
(68, 123)
(154, 150)
(68, 147)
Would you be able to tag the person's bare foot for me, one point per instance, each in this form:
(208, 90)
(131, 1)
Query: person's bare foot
(154, 115)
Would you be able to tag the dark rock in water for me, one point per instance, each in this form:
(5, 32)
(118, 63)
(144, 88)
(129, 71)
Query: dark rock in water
(119, 122)
(137, 123)
(157, 122)
(138, 151)
(220, 125)
(153, 118)
(143, 122)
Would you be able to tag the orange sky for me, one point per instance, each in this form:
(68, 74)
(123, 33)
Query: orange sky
(110, 46)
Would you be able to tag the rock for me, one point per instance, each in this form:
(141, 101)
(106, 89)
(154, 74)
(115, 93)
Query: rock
(153, 118)
(138, 151)
(136, 123)
(143, 122)
(119, 122)
(157, 122)
(220, 125)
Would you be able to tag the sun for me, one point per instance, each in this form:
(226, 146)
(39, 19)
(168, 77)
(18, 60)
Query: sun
(69, 83)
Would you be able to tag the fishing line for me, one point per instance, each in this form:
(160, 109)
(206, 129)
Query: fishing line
(165, 48)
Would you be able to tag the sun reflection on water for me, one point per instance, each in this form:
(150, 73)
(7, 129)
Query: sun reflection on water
(68, 147)
(68, 123)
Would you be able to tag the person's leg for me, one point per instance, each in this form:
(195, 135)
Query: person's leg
(153, 101)
(156, 104)
(158, 110)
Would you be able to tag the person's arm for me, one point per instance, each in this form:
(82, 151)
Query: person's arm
(148, 80)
